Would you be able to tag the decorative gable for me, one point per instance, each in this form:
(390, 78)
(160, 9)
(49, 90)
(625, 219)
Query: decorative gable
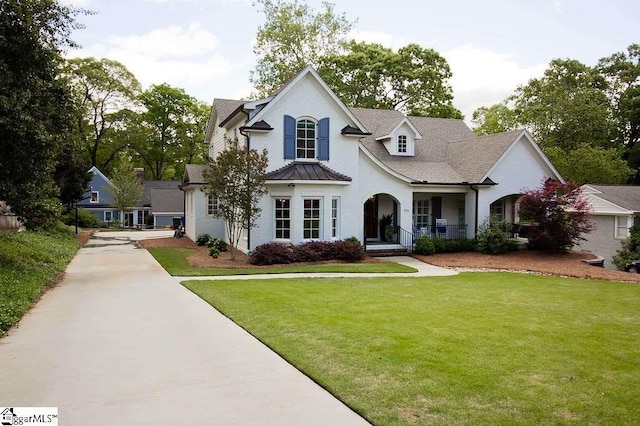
(401, 140)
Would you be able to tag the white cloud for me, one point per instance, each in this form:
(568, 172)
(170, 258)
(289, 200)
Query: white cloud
(181, 57)
(174, 41)
(76, 3)
(482, 77)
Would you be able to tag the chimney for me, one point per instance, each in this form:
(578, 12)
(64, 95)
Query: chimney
(139, 172)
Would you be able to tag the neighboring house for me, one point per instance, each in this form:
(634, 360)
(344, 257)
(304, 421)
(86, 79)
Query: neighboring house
(8, 220)
(161, 198)
(334, 172)
(614, 209)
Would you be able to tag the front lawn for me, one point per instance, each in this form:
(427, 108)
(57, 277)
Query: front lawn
(477, 348)
(29, 263)
(174, 261)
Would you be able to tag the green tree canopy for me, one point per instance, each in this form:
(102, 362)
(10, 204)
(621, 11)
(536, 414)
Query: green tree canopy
(293, 36)
(104, 91)
(36, 112)
(167, 130)
(590, 164)
(566, 107)
(497, 118)
(413, 80)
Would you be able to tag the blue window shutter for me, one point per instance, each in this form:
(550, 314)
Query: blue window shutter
(323, 139)
(289, 138)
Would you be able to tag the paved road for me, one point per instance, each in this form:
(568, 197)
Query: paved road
(120, 342)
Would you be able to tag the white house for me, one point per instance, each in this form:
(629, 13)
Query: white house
(334, 171)
(614, 209)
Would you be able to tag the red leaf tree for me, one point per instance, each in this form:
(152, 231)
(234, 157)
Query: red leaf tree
(560, 215)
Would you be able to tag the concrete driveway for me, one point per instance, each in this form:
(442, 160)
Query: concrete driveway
(121, 342)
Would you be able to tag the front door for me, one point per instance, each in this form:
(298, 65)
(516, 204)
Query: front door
(371, 218)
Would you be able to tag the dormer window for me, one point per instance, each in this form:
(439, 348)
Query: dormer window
(305, 138)
(402, 144)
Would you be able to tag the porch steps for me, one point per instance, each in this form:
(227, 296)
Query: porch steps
(385, 250)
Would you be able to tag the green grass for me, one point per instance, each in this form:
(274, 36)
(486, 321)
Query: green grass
(173, 260)
(29, 263)
(477, 348)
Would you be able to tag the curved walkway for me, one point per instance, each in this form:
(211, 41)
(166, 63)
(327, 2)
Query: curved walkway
(119, 341)
(423, 270)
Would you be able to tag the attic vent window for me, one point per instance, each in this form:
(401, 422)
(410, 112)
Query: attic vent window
(402, 144)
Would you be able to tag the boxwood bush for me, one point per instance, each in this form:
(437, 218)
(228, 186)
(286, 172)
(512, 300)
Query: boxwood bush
(424, 245)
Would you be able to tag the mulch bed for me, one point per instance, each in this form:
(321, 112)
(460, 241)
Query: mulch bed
(568, 265)
(200, 257)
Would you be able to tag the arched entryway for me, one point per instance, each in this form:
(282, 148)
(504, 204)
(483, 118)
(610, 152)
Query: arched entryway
(381, 219)
(505, 209)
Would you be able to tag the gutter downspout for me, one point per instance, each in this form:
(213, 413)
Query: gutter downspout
(475, 222)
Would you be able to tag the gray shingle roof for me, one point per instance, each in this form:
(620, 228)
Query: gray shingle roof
(193, 174)
(167, 201)
(474, 157)
(306, 171)
(224, 107)
(627, 197)
(149, 185)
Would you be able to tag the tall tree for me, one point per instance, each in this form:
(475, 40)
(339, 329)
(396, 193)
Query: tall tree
(236, 178)
(413, 80)
(497, 118)
(160, 140)
(194, 150)
(590, 164)
(104, 90)
(293, 36)
(35, 105)
(566, 107)
(127, 187)
(622, 71)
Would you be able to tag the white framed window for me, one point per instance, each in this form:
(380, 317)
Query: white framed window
(496, 211)
(461, 212)
(622, 228)
(311, 224)
(335, 217)
(95, 197)
(282, 216)
(108, 216)
(306, 138)
(213, 204)
(402, 144)
(421, 212)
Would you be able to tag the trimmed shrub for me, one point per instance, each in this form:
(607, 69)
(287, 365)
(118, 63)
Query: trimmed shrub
(492, 239)
(218, 243)
(272, 254)
(424, 245)
(630, 249)
(85, 219)
(453, 246)
(313, 251)
(353, 239)
(214, 252)
(348, 251)
(203, 239)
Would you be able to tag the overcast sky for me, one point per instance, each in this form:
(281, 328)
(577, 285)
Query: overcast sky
(205, 46)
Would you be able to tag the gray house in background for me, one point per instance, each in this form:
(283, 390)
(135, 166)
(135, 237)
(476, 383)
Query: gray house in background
(614, 209)
(160, 198)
